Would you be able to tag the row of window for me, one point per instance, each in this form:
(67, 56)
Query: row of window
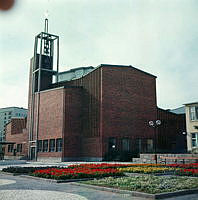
(141, 145)
(125, 144)
(18, 148)
(51, 145)
(20, 115)
(17, 114)
(9, 117)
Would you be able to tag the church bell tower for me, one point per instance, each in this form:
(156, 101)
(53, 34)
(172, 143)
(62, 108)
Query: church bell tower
(46, 59)
(44, 72)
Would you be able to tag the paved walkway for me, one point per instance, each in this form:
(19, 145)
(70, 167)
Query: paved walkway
(22, 188)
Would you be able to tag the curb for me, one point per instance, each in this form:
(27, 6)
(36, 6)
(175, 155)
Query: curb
(56, 181)
(139, 194)
(46, 179)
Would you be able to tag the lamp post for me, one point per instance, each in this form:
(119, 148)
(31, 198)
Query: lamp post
(155, 124)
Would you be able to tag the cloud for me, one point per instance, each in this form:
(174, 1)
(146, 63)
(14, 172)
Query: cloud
(157, 36)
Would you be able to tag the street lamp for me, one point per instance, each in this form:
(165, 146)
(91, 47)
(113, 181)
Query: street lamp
(155, 124)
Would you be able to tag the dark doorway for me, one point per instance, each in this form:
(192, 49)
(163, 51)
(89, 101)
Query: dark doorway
(33, 153)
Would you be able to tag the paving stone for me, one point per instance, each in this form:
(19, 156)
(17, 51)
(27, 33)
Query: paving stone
(6, 181)
(38, 195)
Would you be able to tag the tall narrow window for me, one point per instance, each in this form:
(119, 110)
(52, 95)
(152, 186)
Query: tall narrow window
(40, 145)
(19, 148)
(194, 139)
(149, 145)
(45, 145)
(59, 144)
(52, 145)
(194, 113)
(10, 147)
(125, 144)
(138, 145)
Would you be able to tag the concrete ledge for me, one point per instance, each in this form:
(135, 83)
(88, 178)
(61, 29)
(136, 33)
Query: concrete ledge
(83, 159)
(140, 194)
(49, 159)
(8, 173)
(12, 162)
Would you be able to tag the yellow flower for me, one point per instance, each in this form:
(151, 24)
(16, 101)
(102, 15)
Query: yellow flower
(146, 169)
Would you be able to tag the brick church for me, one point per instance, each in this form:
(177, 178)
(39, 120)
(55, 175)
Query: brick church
(91, 114)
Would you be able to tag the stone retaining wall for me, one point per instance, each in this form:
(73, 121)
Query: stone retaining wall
(149, 158)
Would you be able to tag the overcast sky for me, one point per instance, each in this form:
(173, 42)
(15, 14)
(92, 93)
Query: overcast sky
(157, 36)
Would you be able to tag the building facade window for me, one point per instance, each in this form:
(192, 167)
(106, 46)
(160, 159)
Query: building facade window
(10, 147)
(52, 145)
(19, 148)
(59, 144)
(138, 145)
(45, 145)
(125, 144)
(194, 139)
(144, 145)
(40, 145)
(149, 145)
(194, 113)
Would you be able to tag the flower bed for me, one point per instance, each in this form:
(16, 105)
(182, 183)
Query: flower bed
(104, 170)
(76, 173)
(115, 166)
(148, 184)
(146, 170)
(186, 166)
(187, 172)
(186, 169)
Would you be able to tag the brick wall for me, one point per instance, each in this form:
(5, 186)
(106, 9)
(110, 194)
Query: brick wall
(50, 118)
(116, 102)
(91, 84)
(17, 133)
(17, 125)
(169, 133)
(72, 123)
(128, 103)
